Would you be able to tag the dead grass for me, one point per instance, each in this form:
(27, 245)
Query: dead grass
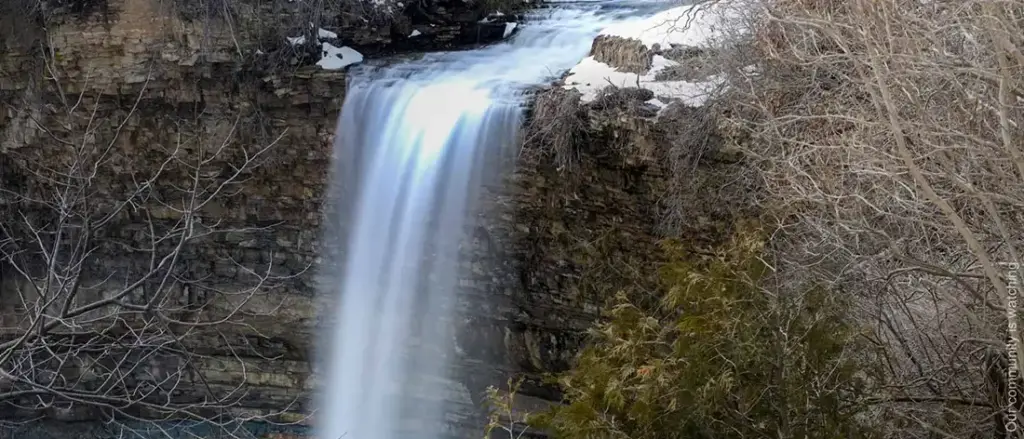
(694, 64)
(629, 99)
(557, 126)
(706, 193)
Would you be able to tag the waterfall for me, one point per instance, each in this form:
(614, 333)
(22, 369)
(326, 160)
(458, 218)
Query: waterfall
(415, 138)
(420, 159)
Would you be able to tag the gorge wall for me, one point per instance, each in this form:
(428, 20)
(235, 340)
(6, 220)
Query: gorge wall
(146, 83)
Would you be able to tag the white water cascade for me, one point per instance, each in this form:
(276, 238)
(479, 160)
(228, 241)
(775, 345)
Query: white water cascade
(418, 135)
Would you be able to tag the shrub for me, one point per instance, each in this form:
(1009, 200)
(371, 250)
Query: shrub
(557, 125)
(717, 355)
(885, 137)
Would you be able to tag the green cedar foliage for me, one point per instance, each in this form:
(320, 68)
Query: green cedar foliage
(718, 355)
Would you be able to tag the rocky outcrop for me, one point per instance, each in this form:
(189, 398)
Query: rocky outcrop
(625, 54)
(544, 252)
(143, 39)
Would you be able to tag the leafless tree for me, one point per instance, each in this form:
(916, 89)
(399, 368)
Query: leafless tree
(101, 316)
(884, 139)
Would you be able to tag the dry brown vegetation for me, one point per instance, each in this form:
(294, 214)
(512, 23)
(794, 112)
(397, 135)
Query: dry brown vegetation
(558, 124)
(883, 139)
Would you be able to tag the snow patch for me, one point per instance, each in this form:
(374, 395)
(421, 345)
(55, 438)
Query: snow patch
(326, 34)
(338, 57)
(415, 33)
(590, 76)
(685, 25)
(295, 41)
(489, 18)
(509, 27)
(656, 102)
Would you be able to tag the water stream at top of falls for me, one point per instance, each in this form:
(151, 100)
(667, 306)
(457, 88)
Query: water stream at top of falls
(416, 137)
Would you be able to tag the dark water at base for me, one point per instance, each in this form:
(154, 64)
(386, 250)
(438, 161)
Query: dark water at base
(161, 430)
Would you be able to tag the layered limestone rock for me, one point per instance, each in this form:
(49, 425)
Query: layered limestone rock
(544, 252)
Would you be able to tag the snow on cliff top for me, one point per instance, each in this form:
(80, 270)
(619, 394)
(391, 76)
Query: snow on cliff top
(338, 57)
(590, 76)
(686, 25)
(691, 25)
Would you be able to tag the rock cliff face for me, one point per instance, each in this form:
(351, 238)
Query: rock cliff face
(541, 255)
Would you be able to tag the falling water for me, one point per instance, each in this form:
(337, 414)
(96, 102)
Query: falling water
(417, 137)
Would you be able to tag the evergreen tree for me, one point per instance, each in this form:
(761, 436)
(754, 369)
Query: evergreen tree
(717, 355)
